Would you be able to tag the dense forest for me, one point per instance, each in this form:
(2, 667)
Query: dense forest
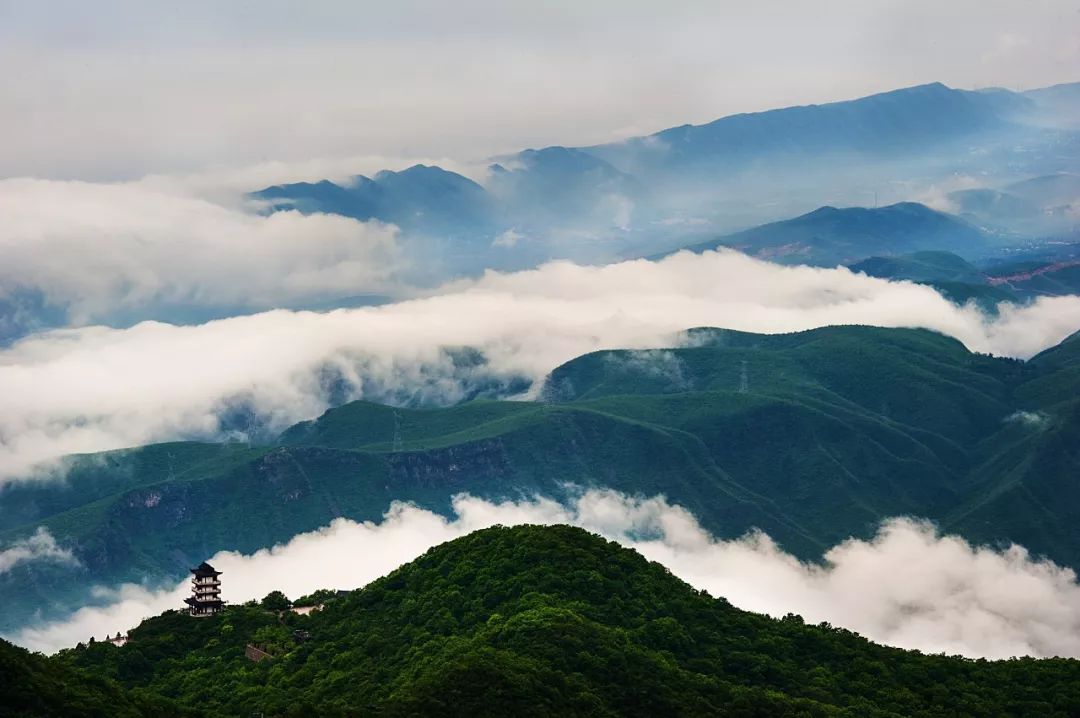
(525, 621)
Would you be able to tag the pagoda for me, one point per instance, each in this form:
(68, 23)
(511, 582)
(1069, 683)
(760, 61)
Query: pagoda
(205, 597)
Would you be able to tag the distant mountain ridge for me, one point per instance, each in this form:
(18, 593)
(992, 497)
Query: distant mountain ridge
(422, 198)
(830, 236)
(887, 122)
(681, 186)
(593, 203)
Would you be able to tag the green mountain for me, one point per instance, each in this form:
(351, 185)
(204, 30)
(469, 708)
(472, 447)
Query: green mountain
(542, 621)
(34, 686)
(951, 275)
(812, 437)
(1012, 280)
(1037, 278)
(927, 266)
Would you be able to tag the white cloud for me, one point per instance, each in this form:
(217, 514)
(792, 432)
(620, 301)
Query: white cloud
(1028, 419)
(99, 248)
(936, 196)
(508, 239)
(91, 389)
(908, 586)
(39, 546)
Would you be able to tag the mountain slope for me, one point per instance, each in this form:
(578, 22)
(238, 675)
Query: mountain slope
(878, 125)
(540, 621)
(422, 199)
(951, 275)
(1058, 105)
(557, 185)
(37, 687)
(663, 190)
(830, 236)
(811, 437)
(927, 266)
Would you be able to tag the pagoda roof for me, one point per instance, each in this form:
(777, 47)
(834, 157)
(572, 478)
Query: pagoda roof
(205, 569)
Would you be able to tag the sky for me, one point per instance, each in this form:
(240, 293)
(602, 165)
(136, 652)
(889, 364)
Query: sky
(119, 89)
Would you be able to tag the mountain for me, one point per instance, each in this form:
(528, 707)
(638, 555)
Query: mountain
(1043, 206)
(1058, 105)
(1048, 191)
(38, 687)
(1063, 355)
(648, 194)
(424, 199)
(542, 621)
(557, 186)
(927, 266)
(446, 218)
(953, 276)
(829, 236)
(877, 126)
(812, 437)
(1037, 278)
(995, 208)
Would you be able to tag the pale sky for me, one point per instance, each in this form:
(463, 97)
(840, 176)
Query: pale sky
(117, 89)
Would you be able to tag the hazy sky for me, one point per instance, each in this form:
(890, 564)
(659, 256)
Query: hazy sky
(120, 88)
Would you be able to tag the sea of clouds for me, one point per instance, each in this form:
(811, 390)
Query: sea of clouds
(95, 388)
(908, 586)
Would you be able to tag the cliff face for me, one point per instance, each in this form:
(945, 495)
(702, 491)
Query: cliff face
(466, 466)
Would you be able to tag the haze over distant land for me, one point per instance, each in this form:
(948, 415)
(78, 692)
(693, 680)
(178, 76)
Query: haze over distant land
(119, 90)
(116, 253)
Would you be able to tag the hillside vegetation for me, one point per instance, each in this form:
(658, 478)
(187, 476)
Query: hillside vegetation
(34, 686)
(812, 437)
(542, 621)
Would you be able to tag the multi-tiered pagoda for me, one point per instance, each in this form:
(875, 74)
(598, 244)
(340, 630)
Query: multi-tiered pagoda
(205, 591)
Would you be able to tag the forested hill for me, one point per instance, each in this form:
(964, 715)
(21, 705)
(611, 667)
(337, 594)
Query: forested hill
(33, 686)
(543, 621)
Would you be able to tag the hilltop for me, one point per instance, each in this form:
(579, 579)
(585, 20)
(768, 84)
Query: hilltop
(540, 621)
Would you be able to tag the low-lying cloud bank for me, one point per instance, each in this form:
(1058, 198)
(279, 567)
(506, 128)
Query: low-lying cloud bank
(97, 249)
(39, 546)
(907, 587)
(95, 388)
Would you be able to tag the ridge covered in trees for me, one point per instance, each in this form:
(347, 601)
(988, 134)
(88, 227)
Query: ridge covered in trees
(538, 621)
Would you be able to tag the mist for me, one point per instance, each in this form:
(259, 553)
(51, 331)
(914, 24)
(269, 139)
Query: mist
(39, 546)
(95, 388)
(97, 249)
(908, 586)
